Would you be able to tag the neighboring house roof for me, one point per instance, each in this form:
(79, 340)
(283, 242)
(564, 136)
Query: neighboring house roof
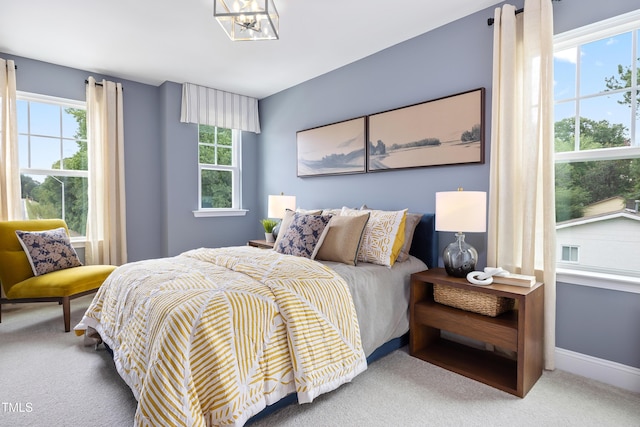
(623, 213)
(604, 206)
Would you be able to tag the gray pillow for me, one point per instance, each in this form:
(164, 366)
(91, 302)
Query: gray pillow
(409, 229)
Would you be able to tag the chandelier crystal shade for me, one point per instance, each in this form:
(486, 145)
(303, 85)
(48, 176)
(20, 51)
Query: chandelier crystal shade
(248, 19)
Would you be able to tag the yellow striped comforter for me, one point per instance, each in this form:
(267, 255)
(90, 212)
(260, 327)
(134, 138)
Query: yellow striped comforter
(212, 336)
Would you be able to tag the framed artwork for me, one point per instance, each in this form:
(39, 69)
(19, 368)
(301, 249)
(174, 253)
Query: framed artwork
(333, 149)
(443, 131)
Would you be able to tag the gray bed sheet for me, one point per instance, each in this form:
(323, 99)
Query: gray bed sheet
(381, 298)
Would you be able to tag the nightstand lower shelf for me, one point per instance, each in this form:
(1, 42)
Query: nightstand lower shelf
(480, 365)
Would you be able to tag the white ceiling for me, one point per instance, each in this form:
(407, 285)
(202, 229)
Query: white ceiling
(152, 41)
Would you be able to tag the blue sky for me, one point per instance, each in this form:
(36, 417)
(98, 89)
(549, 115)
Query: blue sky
(49, 124)
(598, 60)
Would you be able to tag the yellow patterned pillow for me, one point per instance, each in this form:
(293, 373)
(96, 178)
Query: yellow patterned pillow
(383, 235)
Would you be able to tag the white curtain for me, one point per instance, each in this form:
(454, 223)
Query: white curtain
(10, 198)
(106, 219)
(521, 235)
(218, 108)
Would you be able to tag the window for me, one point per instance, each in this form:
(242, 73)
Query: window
(218, 169)
(570, 253)
(597, 144)
(52, 140)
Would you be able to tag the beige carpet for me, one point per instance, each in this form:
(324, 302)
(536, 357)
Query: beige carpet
(50, 379)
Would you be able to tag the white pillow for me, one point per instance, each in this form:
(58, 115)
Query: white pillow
(383, 235)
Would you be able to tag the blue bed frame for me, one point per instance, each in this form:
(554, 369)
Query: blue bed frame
(425, 241)
(424, 247)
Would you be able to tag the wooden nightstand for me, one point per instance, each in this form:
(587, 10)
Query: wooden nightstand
(519, 330)
(262, 244)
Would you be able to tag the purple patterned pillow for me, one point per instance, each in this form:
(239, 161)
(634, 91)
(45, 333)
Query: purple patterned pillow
(302, 235)
(48, 250)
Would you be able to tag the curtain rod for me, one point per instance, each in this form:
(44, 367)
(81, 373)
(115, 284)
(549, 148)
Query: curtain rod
(490, 20)
(98, 84)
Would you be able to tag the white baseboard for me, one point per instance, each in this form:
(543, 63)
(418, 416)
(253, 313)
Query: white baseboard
(605, 371)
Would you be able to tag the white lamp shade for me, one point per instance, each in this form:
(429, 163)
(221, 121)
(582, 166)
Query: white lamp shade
(461, 211)
(278, 205)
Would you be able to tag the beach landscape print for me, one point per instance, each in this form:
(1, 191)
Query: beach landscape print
(338, 148)
(444, 131)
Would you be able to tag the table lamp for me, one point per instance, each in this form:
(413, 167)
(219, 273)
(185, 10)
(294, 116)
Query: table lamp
(277, 206)
(461, 212)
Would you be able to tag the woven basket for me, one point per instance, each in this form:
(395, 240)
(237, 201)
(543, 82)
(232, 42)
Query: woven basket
(477, 302)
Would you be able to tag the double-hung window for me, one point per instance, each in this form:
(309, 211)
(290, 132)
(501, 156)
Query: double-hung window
(52, 141)
(219, 171)
(569, 253)
(597, 144)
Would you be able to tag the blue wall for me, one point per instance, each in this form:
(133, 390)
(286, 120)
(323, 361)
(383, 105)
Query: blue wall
(142, 147)
(161, 164)
(180, 176)
(445, 61)
(448, 60)
(161, 157)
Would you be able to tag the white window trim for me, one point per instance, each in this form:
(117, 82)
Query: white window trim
(596, 31)
(36, 97)
(64, 102)
(56, 172)
(569, 39)
(200, 213)
(236, 183)
(78, 241)
(613, 282)
(613, 153)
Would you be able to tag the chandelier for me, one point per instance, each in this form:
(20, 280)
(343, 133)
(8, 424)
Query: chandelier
(248, 19)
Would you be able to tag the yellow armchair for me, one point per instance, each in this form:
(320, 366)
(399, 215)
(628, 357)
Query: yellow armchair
(21, 285)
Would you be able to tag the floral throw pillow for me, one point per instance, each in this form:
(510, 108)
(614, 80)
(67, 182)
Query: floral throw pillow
(303, 234)
(48, 250)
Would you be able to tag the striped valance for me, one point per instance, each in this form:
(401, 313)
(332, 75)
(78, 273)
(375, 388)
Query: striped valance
(218, 108)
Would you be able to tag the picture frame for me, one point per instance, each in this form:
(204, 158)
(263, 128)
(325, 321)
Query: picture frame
(443, 131)
(335, 149)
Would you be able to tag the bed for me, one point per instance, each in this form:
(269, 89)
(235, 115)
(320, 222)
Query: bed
(219, 336)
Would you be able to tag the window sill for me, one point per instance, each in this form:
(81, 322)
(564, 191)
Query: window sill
(219, 212)
(78, 242)
(611, 282)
